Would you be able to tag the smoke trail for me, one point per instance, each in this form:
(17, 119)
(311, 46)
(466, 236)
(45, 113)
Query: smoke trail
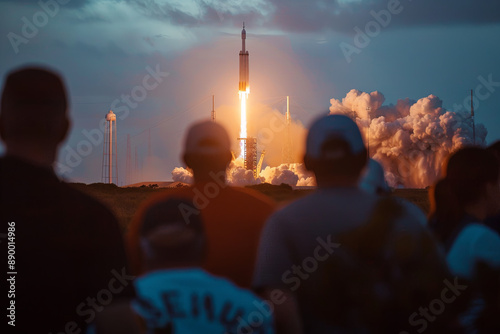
(412, 138)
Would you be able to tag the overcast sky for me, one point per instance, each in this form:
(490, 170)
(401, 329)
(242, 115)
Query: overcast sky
(311, 50)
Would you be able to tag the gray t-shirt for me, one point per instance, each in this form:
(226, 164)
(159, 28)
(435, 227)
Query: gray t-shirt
(298, 238)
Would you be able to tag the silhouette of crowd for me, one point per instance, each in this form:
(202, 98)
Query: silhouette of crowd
(211, 258)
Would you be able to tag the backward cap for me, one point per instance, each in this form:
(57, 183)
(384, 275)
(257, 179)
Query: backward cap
(208, 138)
(330, 127)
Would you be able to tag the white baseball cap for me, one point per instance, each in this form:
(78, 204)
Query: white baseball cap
(207, 138)
(373, 179)
(330, 127)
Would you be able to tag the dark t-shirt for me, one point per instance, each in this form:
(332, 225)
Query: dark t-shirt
(69, 254)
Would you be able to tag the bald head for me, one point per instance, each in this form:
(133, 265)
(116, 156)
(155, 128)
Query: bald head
(33, 108)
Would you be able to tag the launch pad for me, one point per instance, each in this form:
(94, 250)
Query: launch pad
(250, 154)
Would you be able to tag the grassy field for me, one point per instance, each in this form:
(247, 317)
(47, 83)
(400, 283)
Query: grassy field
(125, 201)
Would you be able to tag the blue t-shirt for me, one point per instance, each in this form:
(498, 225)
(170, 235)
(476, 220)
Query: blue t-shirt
(194, 301)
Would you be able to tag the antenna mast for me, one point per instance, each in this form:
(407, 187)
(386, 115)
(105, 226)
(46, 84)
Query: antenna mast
(213, 108)
(472, 116)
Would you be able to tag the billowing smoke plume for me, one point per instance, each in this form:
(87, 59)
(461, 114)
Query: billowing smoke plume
(180, 174)
(411, 139)
(237, 175)
(293, 174)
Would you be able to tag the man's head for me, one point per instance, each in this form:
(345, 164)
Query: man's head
(335, 151)
(207, 149)
(33, 111)
(171, 235)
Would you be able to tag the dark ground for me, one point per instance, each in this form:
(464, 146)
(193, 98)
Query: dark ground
(125, 201)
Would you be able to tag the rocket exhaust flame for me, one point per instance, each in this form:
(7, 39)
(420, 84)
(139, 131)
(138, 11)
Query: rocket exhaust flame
(243, 122)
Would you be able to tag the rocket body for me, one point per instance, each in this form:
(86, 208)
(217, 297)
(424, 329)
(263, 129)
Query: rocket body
(244, 85)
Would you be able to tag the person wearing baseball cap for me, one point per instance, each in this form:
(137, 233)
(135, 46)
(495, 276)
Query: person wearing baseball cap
(174, 293)
(233, 216)
(299, 241)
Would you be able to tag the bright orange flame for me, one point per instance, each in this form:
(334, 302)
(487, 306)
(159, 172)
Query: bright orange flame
(243, 123)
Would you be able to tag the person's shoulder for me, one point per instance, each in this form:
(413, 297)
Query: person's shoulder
(481, 233)
(411, 212)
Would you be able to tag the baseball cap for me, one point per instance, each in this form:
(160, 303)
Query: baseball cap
(207, 137)
(331, 127)
(172, 230)
(373, 179)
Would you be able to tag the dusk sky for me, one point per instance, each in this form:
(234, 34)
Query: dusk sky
(309, 50)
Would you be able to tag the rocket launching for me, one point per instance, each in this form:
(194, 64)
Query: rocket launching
(244, 89)
(244, 70)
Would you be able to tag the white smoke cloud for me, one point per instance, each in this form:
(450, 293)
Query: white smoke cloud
(180, 174)
(411, 139)
(237, 175)
(293, 174)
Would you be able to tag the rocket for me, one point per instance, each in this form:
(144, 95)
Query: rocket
(244, 85)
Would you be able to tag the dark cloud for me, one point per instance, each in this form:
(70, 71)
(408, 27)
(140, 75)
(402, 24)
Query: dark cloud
(322, 15)
(309, 16)
(69, 4)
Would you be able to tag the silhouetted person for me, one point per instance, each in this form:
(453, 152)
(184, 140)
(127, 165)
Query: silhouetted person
(335, 250)
(463, 199)
(69, 253)
(494, 221)
(174, 293)
(233, 216)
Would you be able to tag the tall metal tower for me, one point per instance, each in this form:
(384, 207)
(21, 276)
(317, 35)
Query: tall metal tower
(149, 143)
(213, 108)
(110, 150)
(288, 140)
(128, 166)
(472, 116)
(136, 166)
